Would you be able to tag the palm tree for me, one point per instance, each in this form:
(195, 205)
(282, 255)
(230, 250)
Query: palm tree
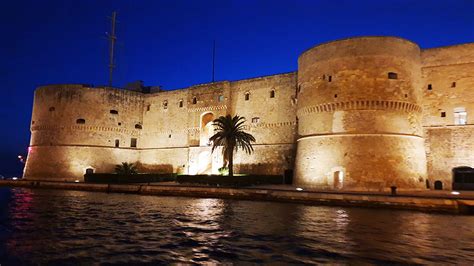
(126, 169)
(231, 136)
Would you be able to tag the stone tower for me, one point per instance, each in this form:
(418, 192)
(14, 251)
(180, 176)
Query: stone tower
(360, 116)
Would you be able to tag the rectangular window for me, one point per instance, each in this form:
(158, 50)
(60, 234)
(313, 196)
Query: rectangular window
(133, 142)
(392, 75)
(117, 143)
(443, 114)
(247, 96)
(460, 116)
(430, 87)
(453, 85)
(255, 119)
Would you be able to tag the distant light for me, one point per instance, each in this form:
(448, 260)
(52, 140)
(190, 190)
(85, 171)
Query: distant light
(14, 178)
(299, 189)
(455, 193)
(19, 156)
(77, 181)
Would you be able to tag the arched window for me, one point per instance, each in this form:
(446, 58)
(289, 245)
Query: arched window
(138, 126)
(80, 121)
(392, 75)
(52, 109)
(272, 94)
(165, 104)
(194, 100)
(180, 103)
(114, 112)
(247, 96)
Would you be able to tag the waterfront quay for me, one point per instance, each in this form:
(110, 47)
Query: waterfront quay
(429, 201)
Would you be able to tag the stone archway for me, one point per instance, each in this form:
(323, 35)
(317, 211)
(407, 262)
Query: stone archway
(438, 185)
(206, 128)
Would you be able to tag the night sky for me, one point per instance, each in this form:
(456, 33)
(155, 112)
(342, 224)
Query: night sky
(169, 43)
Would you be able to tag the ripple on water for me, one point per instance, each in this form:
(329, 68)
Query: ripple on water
(70, 227)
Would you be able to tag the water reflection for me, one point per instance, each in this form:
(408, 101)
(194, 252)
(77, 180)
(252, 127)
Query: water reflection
(66, 226)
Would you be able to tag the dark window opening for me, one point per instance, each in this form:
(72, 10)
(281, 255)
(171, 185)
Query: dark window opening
(138, 126)
(335, 95)
(194, 100)
(119, 123)
(406, 95)
(438, 185)
(169, 136)
(32, 122)
(392, 75)
(80, 121)
(117, 143)
(324, 77)
(165, 104)
(330, 78)
(427, 183)
(181, 103)
(148, 107)
(453, 85)
(114, 112)
(133, 142)
(443, 114)
(51, 109)
(430, 87)
(272, 94)
(255, 119)
(247, 96)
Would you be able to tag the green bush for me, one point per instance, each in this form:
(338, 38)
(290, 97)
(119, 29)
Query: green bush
(218, 180)
(105, 178)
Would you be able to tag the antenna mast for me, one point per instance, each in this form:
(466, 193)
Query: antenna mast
(112, 39)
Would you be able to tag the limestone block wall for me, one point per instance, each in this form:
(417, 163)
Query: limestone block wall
(448, 75)
(72, 124)
(360, 115)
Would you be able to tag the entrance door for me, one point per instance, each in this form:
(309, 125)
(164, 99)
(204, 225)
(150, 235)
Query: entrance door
(438, 185)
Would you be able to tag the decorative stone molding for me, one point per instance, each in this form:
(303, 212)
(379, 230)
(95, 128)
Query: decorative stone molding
(360, 105)
(85, 128)
(207, 108)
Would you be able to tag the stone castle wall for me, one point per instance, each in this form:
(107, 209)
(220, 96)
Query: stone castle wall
(359, 127)
(358, 114)
(448, 75)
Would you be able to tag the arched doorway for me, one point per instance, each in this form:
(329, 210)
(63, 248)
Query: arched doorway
(338, 179)
(206, 129)
(438, 185)
(463, 178)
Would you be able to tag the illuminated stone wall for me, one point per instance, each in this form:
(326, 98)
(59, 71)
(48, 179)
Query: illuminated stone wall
(359, 128)
(363, 113)
(448, 87)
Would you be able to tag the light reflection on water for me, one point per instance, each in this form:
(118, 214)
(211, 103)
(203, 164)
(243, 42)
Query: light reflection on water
(46, 226)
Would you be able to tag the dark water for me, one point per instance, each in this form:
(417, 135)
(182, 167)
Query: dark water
(46, 226)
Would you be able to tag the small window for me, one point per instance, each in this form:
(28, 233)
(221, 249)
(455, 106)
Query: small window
(220, 98)
(335, 95)
(430, 87)
(114, 112)
(138, 126)
(165, 104)
(255, 119)
(329, 78)
(443, 114)
(392, 75)
(324, 77)
(460, 116)
(133, 142)
(169, 136)
(453, 85)
(119, 123)
(180, 103)
(247, 96)
(406, 95)
(52, 109)
(80, 121)
(117, 143)
(272, 94)
(194, 100)
(148, 107)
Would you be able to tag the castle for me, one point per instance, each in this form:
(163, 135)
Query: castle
(362, 113)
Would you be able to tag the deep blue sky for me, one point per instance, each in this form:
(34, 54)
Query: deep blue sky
(169, 43)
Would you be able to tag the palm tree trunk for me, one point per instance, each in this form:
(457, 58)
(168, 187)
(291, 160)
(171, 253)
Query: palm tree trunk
(231, 162)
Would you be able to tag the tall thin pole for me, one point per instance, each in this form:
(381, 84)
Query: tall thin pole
(213, 60)
(112, 39)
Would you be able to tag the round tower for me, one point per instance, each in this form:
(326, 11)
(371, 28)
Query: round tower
(359, 115)
(76, 127)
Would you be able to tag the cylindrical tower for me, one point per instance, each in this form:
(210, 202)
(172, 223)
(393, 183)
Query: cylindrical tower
(77, 127)
(360, 116)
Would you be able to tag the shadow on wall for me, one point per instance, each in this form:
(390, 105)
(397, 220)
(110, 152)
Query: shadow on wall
(259, 169)
(155, 168)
